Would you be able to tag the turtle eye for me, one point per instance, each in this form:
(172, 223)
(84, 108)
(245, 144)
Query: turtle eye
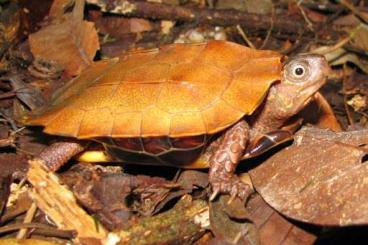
(298, 71)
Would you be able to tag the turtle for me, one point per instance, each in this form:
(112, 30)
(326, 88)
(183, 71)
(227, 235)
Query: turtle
(183, 105)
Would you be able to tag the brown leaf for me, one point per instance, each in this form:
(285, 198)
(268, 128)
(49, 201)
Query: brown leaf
(356, 83)
(32, 14)
(5, 182)
(13, 165)
(9, 26)
(228, 230)
(182, 224)
(58, 7)
(319, 179)
(118, 26)
(111, 194)
(69, 41)
(29, 95)
(273, 228)
(320, 114)
(190, 179)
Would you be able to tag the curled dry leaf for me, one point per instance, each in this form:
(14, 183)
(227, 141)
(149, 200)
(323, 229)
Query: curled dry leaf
(357, 83)
(29, 95)
(320, 114)
(273, 228)
(111, 195)
(228, 230)
(69, 41)
(319, 179)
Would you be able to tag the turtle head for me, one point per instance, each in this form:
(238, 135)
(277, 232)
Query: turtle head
(302, 76)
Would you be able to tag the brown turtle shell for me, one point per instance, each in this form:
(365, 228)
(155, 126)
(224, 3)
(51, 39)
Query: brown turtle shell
(178, 90)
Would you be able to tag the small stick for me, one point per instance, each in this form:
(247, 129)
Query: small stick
(29, 216)
(244, 36)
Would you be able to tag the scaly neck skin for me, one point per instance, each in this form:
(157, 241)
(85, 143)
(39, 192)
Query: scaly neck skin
(270, 117)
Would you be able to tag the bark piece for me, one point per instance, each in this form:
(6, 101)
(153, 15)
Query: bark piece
(60, 205)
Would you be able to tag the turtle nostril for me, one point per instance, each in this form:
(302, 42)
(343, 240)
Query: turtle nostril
(364, 158)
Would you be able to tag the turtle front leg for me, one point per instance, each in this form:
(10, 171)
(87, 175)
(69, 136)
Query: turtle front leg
(224, 161)
(57, 154)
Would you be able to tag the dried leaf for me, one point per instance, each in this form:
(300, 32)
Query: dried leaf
(319, 179)
(320, 114)
(69, 41)
(188, 181)
(274, 228)
(183, 223)
(111, 195)
(13, 164)
(341, 56)
(9, 26)
(360, 38)
(356, 83)
(232, 231)
(5, 182)
(58, 7)
(32, 14)
(29, 95)
(117, 26)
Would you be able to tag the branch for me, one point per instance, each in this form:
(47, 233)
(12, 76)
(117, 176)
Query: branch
(222, 17)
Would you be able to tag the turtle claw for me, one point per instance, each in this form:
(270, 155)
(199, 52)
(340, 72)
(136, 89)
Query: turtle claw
(233, 186)
(215, 193)
(232, 198)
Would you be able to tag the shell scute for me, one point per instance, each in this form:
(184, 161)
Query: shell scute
(90, 126)
(155, 122)
(126, 124)
(135, 97)
(69, 127)
(194, 123)
(220, 114)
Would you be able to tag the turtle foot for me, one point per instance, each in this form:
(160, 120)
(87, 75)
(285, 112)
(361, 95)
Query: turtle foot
(232, 186)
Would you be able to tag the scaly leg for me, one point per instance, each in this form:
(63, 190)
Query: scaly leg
(225, 160)
(57, 154)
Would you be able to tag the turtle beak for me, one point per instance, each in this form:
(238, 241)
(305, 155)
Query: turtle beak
(320, 71)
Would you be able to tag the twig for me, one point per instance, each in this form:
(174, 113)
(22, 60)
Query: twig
(310, 25)
(341, 43)
(314, 5)
(346, 106)
(222, 17)
(353, 9)
(43, 227)
(244, 36)
(29, 216)
(270, 30)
